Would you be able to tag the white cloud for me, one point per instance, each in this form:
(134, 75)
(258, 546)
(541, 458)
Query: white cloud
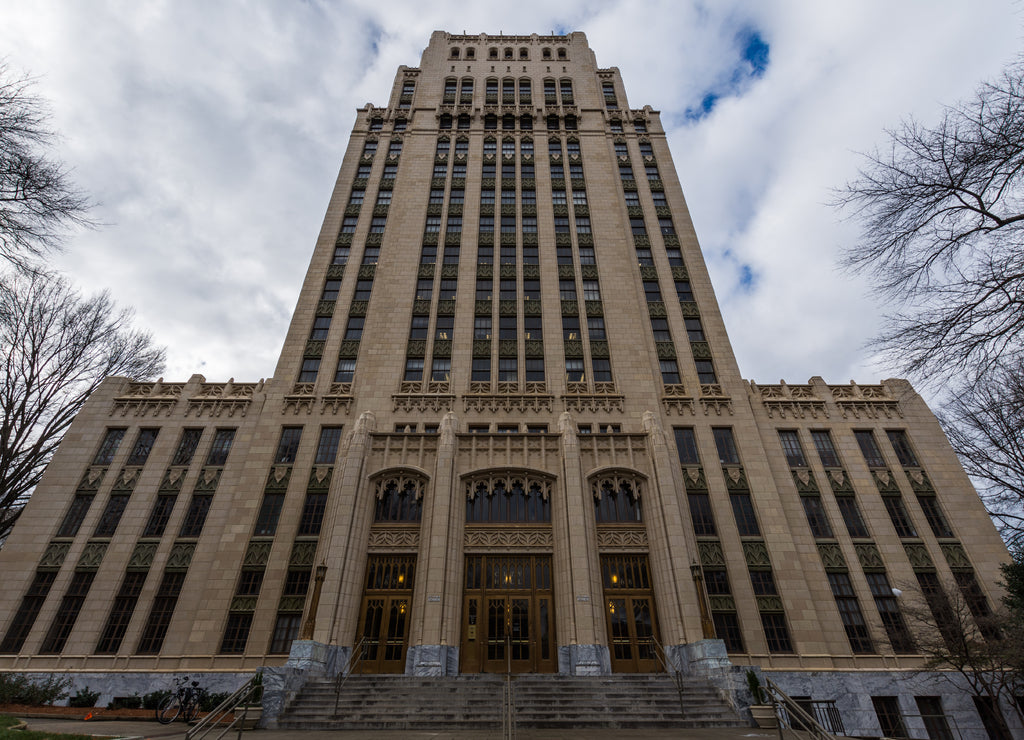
(211, 135)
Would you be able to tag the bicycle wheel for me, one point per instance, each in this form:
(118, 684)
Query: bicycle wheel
(190, 709)
(168, 709)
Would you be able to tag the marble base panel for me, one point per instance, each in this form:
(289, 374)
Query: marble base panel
(432, 660)
(584, 660)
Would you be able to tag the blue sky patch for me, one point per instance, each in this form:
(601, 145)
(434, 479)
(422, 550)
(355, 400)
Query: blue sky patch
(750, 64)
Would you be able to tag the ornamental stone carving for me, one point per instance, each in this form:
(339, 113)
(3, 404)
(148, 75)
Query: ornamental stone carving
(142, 556)
(769, 604)
(400, 480)
(258, 553)
(208, 480)
(918, 556)
(831, 556)
(884, 481)
(92, 555)
(320, 478)
(869, 556)
(507, 537)
(390, 539)
(805, 482)
(722, 603)
(53, 556)
(756, 555)
(620, 538)
(711, 554)
(840, 481)
(608, 482)
(91, 480)
(955, 556)
(181, 555)
(172, 480)
(303, 553)
(694, 478)
(278, 478)
(508, 480)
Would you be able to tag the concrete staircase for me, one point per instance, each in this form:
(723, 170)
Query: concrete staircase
(541, 701)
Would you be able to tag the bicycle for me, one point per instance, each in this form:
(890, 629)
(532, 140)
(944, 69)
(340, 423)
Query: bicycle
(185, 701)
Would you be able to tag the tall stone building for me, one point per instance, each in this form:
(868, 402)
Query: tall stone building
(506, 427)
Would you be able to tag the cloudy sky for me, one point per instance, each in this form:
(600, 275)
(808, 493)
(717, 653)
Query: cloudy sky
(210, 135)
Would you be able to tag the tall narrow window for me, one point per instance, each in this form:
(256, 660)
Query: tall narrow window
(288, 445)
(727, 453)
(327, 449)
(743, 510)
(160, 614)
(849, 611)
(27, 612)
(901, 445)
(111, 442)
(686, 445)
(222, 440)
(121, 612)
(868, 446)
(792, 448)
(826, 450)
(143, 446)
(67, 612)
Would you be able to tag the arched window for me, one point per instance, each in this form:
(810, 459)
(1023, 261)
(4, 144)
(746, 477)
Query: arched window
(493, 52)
(508, 52)
(455, 52)
(546, 53)
(399, 499)
(524, 53)
(508, 500)
(466, 94)
(491, 91)
(471, 53)
(525, 97)
(562, 53)
(617, 500)
(450, 86)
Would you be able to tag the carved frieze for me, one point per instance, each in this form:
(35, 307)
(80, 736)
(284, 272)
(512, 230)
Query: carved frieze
(831, 556)
(592, 403)
(142, 556)
(840, 481)
(711, 554)
(258, 553)
(756, 554)
(507, 537)
(918, 556)
(805, 482)
(621, 538)
(511, 402)
(694, 478)
(53, 556)
(278, 478)
(181, 555)
(423, 401)
(388, 538)
(955, 556)
(869, 556)
(303, 553)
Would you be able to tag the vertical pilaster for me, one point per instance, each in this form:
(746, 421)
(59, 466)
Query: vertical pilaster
(437, 598)
(581, 630)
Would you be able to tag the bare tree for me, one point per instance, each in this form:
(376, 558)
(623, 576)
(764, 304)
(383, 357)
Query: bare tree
(961, 637)
(37, 200)
(56, 347)
(985, 424)
(942, 211)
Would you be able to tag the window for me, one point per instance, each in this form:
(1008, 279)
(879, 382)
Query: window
(454, 225)
(111, 442)
(394, 150)
(27, 612)
(776, 633)
(582, 224)
(413, 369)
(563, 254)
(626, 173)
(933, 514)
(346, 371)
(675, 256)
(591, 290)
(362, 292)
(507, 327)
(703, 519)
(694, 330)
(121, 612)
(669, 371)
(899, 516)
(418, 329)
(529, 225)
(286, 628)
(526, 145)
(508, 122)
(532, 328)
(565, 88)
(428, 255)
(111, 516)
(451, 255)
(356, 198)
(482, 327)
(763, 583)
(531, 290)
(659, 328)
(567, 290)
(67, 612)
(354, 329)
(849, 612)
(370, 255)
(643, 256)
(424, 289)
(791, 447)
(491, 91)
(652, 174)
(595, 328)
(727, 454)
(327, 449)
(602, 370)
(236, 633)
(868, 446)
(401, 124)
(705, 371)
(575, 171)
(362, 172)
(686, 445)
(508, 369)
(249, 583)
(534, 370)
(440, 172)
(508, 254)
(651, 291)
(743, 510)
(887, 709)
(507, 290)
(826, 451)
(570, 328)
(934, 719)
(889, 610)
(159, 515)
(557, 172)
(482, 369)
(573, 370)
(399, 504)
(321, 324)
(498, 504)
(640, 126)
(270, 512)
(441, 369)
(75, 514)
(221, 447)
(456, 197)
(341, 253)
(614, 505)
(901, 445)
(160, 614)
(444, 327)
(851, 516)
(816, 518)
(637, 226)
(390, 172)
(370, 148)
(195, 516)
(448, 289)
(376, 124)
(458, 170)
(529, 197)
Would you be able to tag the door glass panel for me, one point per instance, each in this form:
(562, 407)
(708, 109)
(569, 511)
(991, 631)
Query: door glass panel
(545, 634)
(396, 630)
(496, 629)
(618, 622)
(519, 628)
(371, 626)
(643, 628)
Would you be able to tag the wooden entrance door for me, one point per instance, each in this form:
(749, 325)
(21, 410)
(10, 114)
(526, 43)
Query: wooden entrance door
(508, 619)
(384, 617)
(629, 609)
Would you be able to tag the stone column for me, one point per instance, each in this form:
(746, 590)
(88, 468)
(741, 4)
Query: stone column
(437, 599)
(581, 630)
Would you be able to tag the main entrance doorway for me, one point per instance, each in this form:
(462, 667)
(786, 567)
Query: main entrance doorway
(384, 617)
(629, 609)
(508, 618)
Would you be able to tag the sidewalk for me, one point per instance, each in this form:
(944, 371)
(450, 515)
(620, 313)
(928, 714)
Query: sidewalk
(176, 731)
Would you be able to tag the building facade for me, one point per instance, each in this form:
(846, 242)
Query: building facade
(506, 427)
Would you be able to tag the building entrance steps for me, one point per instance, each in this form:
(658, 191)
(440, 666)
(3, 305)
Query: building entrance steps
(634, 701)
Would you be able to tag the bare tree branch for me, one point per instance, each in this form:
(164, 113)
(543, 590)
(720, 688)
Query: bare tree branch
(56, 347)
(37, 199)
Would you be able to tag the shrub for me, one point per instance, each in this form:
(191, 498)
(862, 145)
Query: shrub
(17, 688)
(126, 702)
(84, 698)
(209, 701)
(152, 700)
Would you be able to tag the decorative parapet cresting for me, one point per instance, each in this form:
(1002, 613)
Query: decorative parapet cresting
(675, 399)
(789, 401)
(219, 399)
(141, 399)
(713, 398)
(865, 401)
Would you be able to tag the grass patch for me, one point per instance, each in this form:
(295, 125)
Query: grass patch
(6, 722)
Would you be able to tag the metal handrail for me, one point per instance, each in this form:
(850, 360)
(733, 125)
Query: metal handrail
(358, 653)
(673, 671)
(508, 722)
(792, 715)
(246, 693)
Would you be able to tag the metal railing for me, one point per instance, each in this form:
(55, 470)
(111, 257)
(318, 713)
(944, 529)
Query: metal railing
(671, 669)
(792, 716)
(508, 719)
(358, 653)
(237, 705)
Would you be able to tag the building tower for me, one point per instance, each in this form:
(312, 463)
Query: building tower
(506, 425)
